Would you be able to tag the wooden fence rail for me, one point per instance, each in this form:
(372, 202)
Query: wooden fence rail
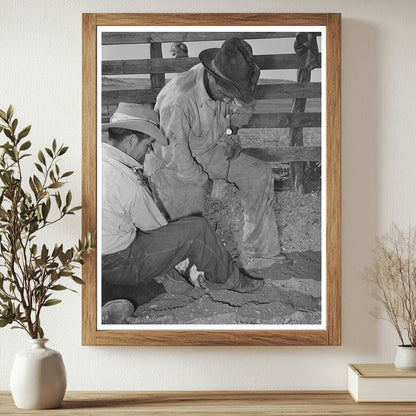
(284, 120)
(289, 90)
(115, 94)
(173, 65)
(124, 38)
(286, 154)
(277, 120)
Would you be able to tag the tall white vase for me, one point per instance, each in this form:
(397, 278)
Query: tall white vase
(38, 377)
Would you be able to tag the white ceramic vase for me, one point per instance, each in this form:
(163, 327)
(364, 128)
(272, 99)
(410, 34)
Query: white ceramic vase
(405, 358)
(38, 377)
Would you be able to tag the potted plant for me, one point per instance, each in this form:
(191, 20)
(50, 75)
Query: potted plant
(31, 273)
(393, 277)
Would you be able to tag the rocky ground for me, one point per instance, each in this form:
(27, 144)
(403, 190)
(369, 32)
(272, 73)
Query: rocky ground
(291, 295)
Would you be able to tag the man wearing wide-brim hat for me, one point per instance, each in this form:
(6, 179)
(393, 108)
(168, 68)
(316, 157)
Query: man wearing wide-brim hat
(137, 242)
(197, 109)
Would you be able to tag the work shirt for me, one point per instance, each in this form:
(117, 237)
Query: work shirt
(127, 205)
(193, 123)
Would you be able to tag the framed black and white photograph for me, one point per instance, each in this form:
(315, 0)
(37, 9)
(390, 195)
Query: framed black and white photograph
(211, 172)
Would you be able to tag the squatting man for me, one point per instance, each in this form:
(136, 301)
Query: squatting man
(138, 244)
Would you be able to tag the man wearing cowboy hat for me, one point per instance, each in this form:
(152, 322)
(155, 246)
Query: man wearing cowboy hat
(137, 242)
(196, 110)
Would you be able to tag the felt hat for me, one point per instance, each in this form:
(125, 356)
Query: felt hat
(233, 65)
(138, 118)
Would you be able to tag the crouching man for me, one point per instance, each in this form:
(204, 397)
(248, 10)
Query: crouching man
(137, 242)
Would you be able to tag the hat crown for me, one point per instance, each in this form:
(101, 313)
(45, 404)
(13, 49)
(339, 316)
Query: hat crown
(233, 64)
(130, 111)
(132, 116)
(234, 60)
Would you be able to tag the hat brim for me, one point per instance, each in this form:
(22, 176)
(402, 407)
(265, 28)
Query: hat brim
(206, 57)
(138, 125)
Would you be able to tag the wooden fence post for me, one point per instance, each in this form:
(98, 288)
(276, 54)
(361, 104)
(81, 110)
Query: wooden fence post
(306, 48)
(156, 80)
(296, 136)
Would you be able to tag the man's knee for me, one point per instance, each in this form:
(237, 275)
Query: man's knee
(194, 226)
(263, 170)
(196, 222)
(252, 169)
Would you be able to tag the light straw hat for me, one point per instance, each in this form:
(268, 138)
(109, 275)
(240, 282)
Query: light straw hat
(138, 118)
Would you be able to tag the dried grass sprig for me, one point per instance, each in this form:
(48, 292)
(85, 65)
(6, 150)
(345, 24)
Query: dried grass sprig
(393, 277)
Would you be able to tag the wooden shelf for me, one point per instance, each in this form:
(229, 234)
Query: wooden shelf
(317, 403)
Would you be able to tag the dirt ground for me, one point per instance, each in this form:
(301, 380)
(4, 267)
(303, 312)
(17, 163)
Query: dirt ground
(292, 291)
(291, 295)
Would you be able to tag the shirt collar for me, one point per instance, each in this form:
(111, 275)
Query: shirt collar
(119, 156)
(203, 95)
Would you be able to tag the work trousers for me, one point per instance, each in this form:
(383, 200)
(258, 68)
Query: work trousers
(154, 253)
(254, 181)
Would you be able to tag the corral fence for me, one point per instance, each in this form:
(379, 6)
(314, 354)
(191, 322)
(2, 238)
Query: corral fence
(270, 117)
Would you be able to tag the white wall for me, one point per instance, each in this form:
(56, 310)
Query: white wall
(40, 73)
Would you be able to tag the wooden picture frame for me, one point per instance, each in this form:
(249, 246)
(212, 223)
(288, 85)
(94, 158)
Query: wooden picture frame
(331, 333)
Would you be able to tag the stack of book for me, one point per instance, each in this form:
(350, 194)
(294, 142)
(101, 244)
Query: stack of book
(381, 383)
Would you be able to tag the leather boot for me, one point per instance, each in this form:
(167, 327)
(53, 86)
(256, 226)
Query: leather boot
(247, 284)
(116, 311)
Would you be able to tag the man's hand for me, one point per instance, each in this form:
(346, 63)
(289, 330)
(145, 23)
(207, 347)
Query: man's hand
(220, 189)
(241, 112)
(233, 145)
